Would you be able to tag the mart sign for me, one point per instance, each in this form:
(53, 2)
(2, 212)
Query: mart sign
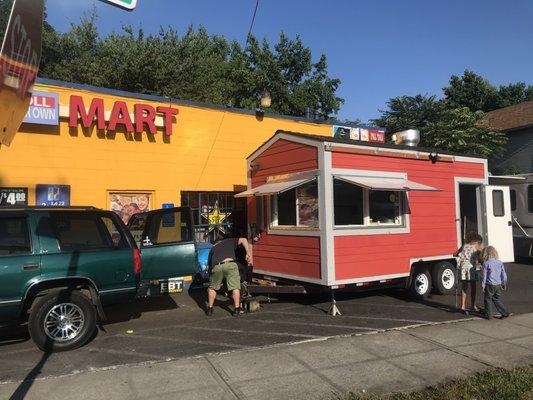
(127, 4)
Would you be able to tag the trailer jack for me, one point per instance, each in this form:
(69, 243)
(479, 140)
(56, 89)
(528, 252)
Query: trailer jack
(333, 309)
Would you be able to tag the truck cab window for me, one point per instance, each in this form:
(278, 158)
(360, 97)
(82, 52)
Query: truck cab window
(512, 193)
(14, 236)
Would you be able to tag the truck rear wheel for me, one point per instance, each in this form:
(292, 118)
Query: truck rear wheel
(61, 321)
(420, 283)
(444, 278)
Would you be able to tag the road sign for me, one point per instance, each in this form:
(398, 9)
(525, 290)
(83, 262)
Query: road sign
(19, 64)
(126, 4)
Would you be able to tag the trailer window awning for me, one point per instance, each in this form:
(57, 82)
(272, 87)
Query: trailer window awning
(280, 185)
(386, 183)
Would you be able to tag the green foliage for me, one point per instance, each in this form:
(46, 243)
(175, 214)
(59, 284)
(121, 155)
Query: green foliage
(461, 130)
(476, 93)
(196, 66)
(513, 384)
(456, 122)
(406, 112)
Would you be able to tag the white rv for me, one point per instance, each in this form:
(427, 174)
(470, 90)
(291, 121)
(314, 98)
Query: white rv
(521, 191)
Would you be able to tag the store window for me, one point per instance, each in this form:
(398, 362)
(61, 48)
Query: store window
(357, 206)
(215, 214)
(296, 207)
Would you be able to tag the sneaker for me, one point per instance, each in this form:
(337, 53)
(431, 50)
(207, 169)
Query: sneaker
(506, 315)
(487, 317)
(237, 312)
(209, 311)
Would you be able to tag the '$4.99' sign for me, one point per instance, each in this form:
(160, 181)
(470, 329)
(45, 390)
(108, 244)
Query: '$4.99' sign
(127, 4)
(13, 196)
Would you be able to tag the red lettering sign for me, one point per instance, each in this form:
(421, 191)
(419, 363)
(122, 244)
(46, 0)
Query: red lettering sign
(96, 111)
(169, 113)
(120, 116)
(144, 115)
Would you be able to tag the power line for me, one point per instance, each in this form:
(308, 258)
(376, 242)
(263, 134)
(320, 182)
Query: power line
(252, 24)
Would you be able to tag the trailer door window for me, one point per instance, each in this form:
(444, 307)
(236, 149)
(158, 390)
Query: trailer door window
(296, 207)
(497, 203)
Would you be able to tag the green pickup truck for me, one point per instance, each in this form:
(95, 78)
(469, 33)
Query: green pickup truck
(59, 267)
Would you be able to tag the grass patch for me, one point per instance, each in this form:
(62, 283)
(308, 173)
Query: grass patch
(499, 384)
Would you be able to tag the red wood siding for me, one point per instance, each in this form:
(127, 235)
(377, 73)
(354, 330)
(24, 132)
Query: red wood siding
(284, 157)
(432, 218)
(291, 255)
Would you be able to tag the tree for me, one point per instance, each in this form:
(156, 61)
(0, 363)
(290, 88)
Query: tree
(407, 112)
(472, 91)
(443, 127)
(464, 131)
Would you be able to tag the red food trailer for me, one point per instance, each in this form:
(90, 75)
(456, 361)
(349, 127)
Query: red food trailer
(340, 213)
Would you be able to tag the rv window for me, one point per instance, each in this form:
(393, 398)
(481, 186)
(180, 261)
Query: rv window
(296, 207)
(384, 207)
(530, 198)
(513, 199)
(347, 203)
(497, 203)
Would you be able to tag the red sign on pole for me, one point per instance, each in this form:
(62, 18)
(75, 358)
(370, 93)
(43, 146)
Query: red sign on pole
(19, 64)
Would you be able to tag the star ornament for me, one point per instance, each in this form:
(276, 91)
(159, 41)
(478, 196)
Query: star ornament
(215, 218)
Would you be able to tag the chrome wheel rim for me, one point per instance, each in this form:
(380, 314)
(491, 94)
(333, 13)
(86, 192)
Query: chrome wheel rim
(448, 279)
(421, 284)
(64, 322)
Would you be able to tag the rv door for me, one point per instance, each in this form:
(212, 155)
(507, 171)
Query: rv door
(498, 221)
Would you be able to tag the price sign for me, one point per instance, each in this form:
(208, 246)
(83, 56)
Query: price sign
(13, 197)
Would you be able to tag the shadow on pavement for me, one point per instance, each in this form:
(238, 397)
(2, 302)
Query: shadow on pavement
(24, 387)
(124, 312)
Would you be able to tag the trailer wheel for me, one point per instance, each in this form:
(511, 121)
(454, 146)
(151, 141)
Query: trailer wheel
(420, 283)
(444, 277)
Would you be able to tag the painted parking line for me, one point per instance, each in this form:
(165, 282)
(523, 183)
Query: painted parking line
(185, 341)
(347, 317)
(271, 321)
(248, 331)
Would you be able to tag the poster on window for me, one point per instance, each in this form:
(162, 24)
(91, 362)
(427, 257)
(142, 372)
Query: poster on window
(52, 195)
(128, 204)
(308, 205)
(13, 197)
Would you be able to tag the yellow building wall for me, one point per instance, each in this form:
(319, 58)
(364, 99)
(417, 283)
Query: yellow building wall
(206, 152)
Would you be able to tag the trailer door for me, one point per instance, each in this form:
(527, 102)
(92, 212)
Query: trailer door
(498, 221)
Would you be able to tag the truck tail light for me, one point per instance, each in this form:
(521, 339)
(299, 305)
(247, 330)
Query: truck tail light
(137, 261)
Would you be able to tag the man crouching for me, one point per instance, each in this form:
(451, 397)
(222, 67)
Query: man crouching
(223, 265)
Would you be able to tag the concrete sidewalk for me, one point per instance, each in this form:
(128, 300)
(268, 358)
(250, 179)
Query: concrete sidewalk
(396, 360)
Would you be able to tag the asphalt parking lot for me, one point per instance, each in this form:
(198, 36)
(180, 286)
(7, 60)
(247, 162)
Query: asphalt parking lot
(173, 327)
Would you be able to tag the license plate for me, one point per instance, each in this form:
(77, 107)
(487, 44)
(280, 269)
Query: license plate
(172, 285)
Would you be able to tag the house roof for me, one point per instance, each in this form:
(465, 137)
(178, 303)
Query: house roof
(330, 139)
(512, 117)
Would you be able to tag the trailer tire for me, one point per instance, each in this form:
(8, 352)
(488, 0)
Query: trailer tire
(444, 277)
(420, 286)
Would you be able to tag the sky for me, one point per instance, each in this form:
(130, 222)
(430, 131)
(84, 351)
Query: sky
(378, 49)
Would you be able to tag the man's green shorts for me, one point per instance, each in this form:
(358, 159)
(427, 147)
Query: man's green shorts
(230, 271)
